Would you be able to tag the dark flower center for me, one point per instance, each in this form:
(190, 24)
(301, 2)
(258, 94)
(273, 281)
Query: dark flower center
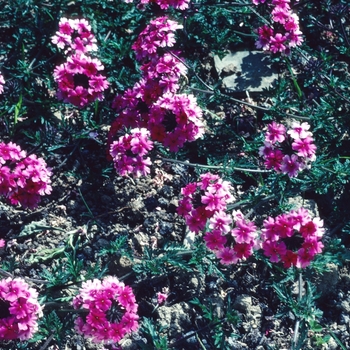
(115, 312)
(4, 308)
(81, 80)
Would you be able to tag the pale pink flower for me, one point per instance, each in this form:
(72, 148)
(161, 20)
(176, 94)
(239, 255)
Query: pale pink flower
(304, 147)
(299, 131)
(213, 201)
(220, 221)
(2, 83)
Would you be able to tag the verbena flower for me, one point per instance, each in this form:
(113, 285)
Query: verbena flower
(23, 179)
(206, 199)
(159, 33)
(74, 35)
(284, 33)
(292, 238)
(129, 153)
(163, 295)
(153, 103)
(275, 133)
(297, 142)
(111, 310)
(78, 79)
(20, 310)
(204, 204)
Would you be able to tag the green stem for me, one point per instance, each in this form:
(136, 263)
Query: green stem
(195, 165)
(17, 110)
(296, 85)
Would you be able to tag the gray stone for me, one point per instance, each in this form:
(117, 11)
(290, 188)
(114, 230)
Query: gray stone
(102, 243)
(246, 71)
(345, 306)
(174, 318)
(328, 280)
(244, 304)
(310, 205)
(128, 344)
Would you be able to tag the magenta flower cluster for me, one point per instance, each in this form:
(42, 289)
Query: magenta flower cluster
(20, 310)
(285, 32)
(288, 152)
(165, 4)
(78, 79)
(129, 152)
(204, 206)
(154, 102)
(203, 199)
(23, 179)
(111, 310)
(293, 238)
(231, 245)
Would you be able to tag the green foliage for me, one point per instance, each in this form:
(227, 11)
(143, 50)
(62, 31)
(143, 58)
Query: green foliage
(221, 329)
(163, 261)
(52, 326)
(204, 261)
(153, 333)
(119, 246)
(303, 308)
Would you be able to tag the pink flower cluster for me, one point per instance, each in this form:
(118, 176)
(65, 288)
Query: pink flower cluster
(231, 245)
(297, 142)
(285, 33)
(111, 307)
(153, 103)
(293, 238)
(206, 202)
(129, 152)
(78, 79)
(23, 179)
(2, 83)
(20, 310)
(165, 4)
(203, 200)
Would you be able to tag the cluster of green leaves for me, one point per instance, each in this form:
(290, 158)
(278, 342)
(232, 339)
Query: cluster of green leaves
(221, 329)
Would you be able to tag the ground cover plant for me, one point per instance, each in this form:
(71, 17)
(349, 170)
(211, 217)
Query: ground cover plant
(144, 205)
